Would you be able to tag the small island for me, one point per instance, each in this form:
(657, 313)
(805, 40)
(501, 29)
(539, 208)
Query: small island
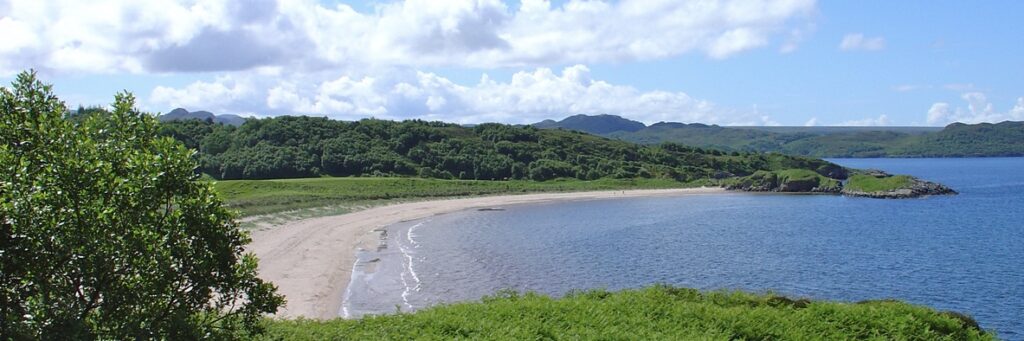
(849, 182)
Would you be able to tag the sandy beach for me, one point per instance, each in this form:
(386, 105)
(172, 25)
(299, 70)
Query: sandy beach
(311, 260)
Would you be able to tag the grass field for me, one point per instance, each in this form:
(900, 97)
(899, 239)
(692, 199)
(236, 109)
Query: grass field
(655, 313)
(259, 197)
(868, 183)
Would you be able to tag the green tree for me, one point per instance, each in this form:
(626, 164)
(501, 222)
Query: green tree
(106, 234)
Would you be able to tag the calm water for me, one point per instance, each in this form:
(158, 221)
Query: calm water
(963, 253)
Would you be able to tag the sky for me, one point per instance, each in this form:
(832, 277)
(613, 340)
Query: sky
(739, 62)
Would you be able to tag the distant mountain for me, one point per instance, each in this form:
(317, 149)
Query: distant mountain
(182, 114)
(824, 130)
(599, 124)
(1002, 139)
(983, 139)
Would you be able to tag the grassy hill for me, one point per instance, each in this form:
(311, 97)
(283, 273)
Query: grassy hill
(655, 313)
(955, 140)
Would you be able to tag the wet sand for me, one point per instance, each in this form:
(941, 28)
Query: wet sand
(311, 260)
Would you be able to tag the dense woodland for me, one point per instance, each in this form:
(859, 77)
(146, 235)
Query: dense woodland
(298, 146)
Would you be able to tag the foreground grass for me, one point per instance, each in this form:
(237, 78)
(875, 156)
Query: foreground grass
(869, 183)
(655, 313)
(260, 197)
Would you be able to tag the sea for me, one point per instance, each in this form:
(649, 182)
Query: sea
(963, 253)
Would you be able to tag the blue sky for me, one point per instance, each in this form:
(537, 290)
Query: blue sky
(728, 62)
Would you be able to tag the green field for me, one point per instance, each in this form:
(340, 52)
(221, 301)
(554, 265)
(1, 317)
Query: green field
(655, 313)
(868, 184)
(258, 197)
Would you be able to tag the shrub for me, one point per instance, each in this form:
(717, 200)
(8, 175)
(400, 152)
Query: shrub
(106, 234)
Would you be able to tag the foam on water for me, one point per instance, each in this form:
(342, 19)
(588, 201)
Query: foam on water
(410, 270)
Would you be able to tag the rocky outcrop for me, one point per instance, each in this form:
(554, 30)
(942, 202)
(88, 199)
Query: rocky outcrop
(917, 188)
(796, 186)
(805, 185)
(771, 182)
(833, 171)
(788, 182)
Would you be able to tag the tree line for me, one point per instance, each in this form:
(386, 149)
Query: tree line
(300, 146)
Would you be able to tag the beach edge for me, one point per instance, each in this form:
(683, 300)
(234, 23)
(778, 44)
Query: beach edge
(312, 260)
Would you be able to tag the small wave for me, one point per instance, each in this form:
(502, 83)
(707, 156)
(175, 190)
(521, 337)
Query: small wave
(348, 292)
(409, 289)
(412, 233)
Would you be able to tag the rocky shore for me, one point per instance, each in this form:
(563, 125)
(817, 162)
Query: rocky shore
(918, 188)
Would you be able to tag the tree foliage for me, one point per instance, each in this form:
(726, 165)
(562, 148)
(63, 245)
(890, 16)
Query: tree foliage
(288, 146)
(106, 234)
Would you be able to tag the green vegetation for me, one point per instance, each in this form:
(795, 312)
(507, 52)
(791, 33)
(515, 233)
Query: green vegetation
(255, 197)
(869, 183)
(295, 147)
(655, 313)
(958, 139)
(955, 140)
(105, 234)
(797, 178)
(108, 232)
(789, 180)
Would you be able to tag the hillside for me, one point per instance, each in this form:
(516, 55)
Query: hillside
(289, 147)
(302, 147)
(955, 140)
(598, 124)
(958, 139)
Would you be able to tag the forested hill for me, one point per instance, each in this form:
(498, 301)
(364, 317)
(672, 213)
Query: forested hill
(955, 140)
(288, 146)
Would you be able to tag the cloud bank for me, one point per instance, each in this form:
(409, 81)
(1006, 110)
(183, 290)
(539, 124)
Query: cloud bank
(529, 96)
(271, 57)
(305, 57)
(979, 109)
(221, 35)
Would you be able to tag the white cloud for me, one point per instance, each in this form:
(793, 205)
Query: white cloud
(881, 120)
(909, 87)
(961, 87)
(858, 42)
(109, 36)
(940, 114)
(272, 57)
(811, 122)
(529, 96)
(226, 93)
(978, 110)
(796, 36)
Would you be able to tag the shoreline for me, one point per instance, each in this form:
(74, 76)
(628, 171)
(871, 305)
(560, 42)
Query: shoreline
(311, 260)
